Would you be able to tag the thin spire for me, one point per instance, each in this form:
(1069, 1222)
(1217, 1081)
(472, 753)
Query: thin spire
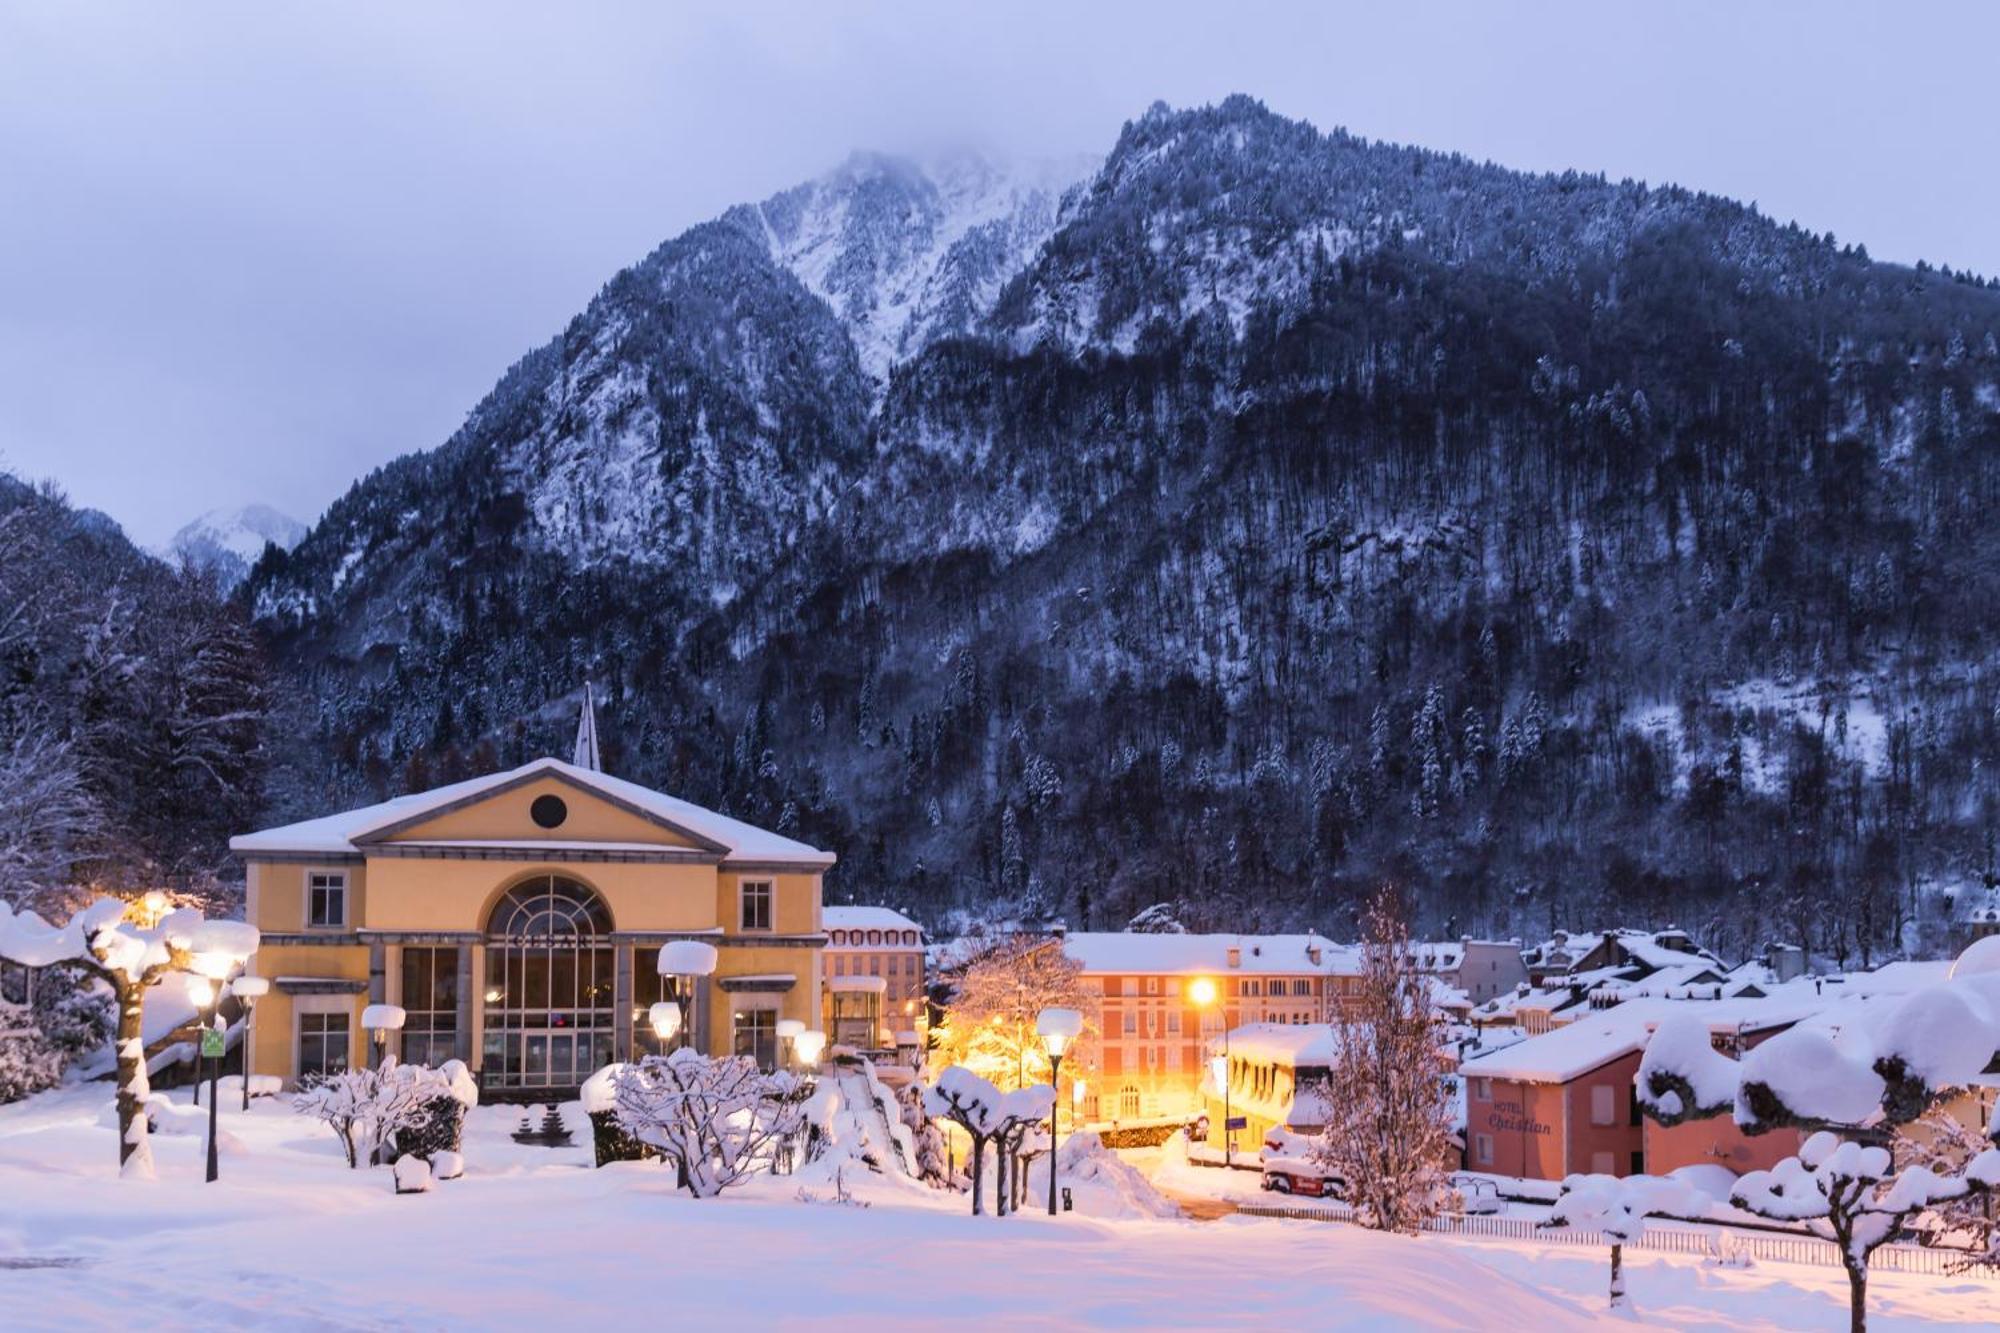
(586, 755)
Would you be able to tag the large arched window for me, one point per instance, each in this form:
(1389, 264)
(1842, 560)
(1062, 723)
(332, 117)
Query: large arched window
(548, 997)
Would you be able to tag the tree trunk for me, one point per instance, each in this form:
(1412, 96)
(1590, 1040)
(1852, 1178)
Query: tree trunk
(1617, 1277)
(135, 1149)
(1002, 1187)
(978, 1174)
(1857, 1297)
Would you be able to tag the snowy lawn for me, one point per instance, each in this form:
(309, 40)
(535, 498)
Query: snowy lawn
(533, 1237)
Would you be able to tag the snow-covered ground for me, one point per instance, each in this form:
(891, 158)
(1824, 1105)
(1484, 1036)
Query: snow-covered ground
(533, 1237)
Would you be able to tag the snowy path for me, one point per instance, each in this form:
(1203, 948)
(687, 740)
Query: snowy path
(534, 1238)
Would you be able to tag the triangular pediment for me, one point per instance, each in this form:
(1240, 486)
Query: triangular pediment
(539, 806)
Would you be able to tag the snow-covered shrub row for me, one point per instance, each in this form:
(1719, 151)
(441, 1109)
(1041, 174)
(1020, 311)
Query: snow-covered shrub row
(718, 1117)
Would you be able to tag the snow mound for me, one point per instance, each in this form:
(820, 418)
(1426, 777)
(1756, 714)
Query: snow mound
(1101, 1183)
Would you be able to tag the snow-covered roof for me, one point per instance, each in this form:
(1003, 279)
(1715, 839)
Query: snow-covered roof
(1196, 955)
(349, 831)
(865, 918)
(878, 985)
(1313, 1045)
(1599, 1036)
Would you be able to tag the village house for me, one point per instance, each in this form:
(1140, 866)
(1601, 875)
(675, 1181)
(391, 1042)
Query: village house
(1159, 1024)
(872, 974)
(517, 918)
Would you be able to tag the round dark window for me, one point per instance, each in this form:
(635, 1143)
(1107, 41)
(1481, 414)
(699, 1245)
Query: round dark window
(549, 811)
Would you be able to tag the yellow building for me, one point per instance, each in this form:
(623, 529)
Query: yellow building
(517, 919)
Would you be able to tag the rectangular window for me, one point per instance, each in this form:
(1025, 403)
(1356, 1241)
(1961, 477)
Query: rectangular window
(1131, 1022)
(1131, 985)
(430, 1001)
(1603, 1104)
(1253, 988)
(1174, 1021)
(1482, 1149)
(326, 899)
(322, 1044)
(1152, 985)
(756, 1035)
(756, 904)
(1482, 1089)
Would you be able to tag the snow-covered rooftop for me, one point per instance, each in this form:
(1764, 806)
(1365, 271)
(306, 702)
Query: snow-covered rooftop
(1313, 1045)
(1192, 955)
(348, 831)
(865, 918)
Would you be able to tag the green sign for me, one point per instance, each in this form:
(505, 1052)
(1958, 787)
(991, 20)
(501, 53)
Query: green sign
(211, 1044)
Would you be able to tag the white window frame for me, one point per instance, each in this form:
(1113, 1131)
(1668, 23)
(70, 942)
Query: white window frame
(346, 887)
(1603, 1105)
(316, 1005)
(770, 888)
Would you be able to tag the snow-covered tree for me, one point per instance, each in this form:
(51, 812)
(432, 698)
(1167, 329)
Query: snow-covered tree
(988, 1116)
(989, 1024)
(1617, 1208)
(718, 1116)
(933, 1166)
(1851, 1194)
(107, 940)
(1388, 1132)
(1947, 1145)
(1159, 919)
(340, 1102)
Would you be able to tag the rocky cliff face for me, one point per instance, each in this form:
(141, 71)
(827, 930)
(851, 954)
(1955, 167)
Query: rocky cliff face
(1257, 516)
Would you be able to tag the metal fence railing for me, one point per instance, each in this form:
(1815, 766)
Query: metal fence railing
(1722, 1244)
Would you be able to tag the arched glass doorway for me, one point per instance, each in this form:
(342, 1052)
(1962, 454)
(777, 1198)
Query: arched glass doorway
(548, 995)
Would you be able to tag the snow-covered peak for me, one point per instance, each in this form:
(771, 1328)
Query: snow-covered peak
(229, 541)
(906, 251)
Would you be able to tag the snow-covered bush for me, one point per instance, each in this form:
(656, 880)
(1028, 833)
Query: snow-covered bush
(399, 1110)
(988, 1116)
(1103, 1184)
(413, 1175)
(608, 1140)
(1948, 1146)
(718, 1117)
(1617, 1208)
(933, 1164)
(1851, 1194)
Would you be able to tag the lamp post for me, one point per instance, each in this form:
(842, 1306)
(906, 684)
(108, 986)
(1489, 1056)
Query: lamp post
(206, 992)
(201, 994)
(789, 1032)
(381, 1020)
(1204, 993)
(684, 961)
(248, 990)
(1057, 1029)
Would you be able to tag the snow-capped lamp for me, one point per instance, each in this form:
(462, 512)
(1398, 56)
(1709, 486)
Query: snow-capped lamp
(1057, 1028)
(808, 1045)
(683, 961)
(381, 1020)
(666, 1020)
(789, 1031)
(248, 990)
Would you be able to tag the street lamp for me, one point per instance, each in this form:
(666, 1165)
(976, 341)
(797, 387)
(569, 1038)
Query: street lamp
(248, 990)
(1204, 994)
(809, 1044)
(683, 961)
(381, 1020)
(205, 989)
(789, 1032)
(666, 1020)
(1057, 1029)
(201, 994)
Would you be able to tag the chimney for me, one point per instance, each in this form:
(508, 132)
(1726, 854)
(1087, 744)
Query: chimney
(1235, 955)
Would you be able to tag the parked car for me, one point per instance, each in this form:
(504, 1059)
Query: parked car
(1474, 1194)
(1290, 1168)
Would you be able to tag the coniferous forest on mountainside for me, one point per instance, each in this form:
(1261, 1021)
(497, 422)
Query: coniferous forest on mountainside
(1240, 523)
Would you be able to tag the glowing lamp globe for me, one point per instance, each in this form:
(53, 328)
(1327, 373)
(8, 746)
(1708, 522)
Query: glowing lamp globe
(809, 1044)
(665, 1018)
(1202, 992)
(200, 992)
(790, 1029)
(1058, 1028)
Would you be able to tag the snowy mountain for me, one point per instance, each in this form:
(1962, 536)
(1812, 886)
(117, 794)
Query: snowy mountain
(1263, 515)
(229, 541)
